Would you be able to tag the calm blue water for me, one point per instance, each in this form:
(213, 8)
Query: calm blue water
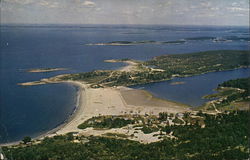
(30, 111)
(193, 88)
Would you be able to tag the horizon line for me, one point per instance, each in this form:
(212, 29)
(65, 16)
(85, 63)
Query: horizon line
(74, 24)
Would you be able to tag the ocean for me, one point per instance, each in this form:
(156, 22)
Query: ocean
(34, 110)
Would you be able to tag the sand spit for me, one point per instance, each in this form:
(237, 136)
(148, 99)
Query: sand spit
(177, 83)
(39, 70)
(56, 79)
(131, 65)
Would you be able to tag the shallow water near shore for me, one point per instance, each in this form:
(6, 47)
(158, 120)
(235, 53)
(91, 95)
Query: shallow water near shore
(31, 111)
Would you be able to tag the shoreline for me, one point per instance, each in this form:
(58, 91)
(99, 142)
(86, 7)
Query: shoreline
(72, 115)
(52, 132)
(111, 101)
(108, 101)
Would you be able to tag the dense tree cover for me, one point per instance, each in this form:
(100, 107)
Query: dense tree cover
(118, 78)
(201, 62)
(26, 139)
(88, 76)
(105, 122)
(226, 136)
(163, 116)
(148, 129)
(177, 120)
(180, 65)
(242, 83)
(237, 90)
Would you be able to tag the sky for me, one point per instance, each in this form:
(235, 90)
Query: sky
(170, 12)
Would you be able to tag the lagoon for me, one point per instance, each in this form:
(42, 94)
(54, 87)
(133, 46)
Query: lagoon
(190, 90)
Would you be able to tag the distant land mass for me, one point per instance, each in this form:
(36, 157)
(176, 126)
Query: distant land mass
(180, 41)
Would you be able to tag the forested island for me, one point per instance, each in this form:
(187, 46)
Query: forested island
(129, 43)
(178, 41)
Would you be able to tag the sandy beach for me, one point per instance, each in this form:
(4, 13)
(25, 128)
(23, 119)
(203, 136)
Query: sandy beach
(115, 101)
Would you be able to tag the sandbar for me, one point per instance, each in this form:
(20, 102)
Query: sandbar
(39, 70)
